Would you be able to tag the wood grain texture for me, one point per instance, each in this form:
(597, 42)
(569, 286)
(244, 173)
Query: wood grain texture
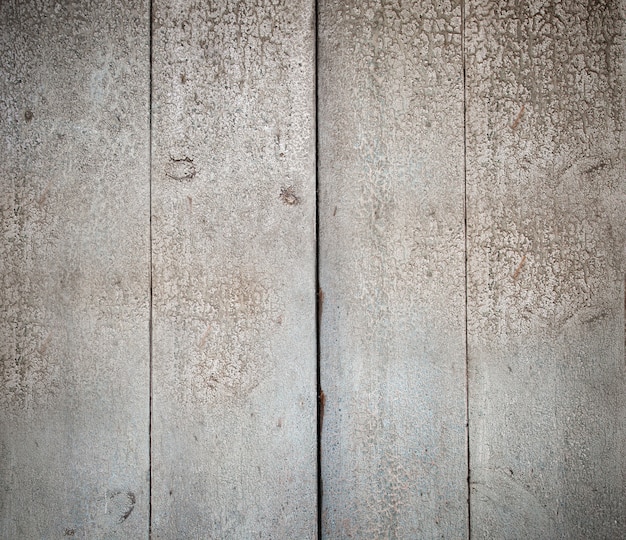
(74, 269)
(546, 229)
(234, 385)
(392, 269)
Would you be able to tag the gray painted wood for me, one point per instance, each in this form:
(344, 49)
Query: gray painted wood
(234, 381)
(547, 229)
(74, 269)
(392, 269)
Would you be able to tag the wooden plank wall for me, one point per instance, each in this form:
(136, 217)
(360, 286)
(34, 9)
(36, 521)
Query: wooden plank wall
(471, 212)
(392, 270)
(546, 233)
(234, 384)
(74, 269)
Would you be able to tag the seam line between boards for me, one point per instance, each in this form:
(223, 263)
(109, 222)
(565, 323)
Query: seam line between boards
(150, 303)
(318, 292)
(466, 243)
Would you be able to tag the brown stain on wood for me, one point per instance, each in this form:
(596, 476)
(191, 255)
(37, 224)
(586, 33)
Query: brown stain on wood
(518, 118)
(44, 194)
(519, 268)
(44, 346)
(204, 337)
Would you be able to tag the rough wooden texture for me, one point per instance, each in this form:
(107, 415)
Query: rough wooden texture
(74, 270)
(234, 385)
(546, 228)
(392, 269)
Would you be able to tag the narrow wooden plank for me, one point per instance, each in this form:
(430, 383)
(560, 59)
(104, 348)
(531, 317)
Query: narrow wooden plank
(392, 270)
(74, 269)
(234, 384)
(547, 229)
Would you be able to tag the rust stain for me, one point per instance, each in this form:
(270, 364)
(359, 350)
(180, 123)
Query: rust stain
(322, 407)
(518, 118)
(519, 267)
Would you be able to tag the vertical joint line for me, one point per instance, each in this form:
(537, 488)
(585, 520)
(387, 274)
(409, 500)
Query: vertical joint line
(465, 204)
(150, 302)
(318, 293)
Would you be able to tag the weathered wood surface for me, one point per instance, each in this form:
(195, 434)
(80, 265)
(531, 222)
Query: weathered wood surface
(74, 269)
(546, 229)
(234, 381)
(392, 270)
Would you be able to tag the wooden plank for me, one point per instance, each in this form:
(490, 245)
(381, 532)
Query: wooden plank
(234, 383)
(547, 229)
(74, 269)
(392, 270)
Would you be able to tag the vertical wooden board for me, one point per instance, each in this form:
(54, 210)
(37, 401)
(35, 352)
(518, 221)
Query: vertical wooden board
(234, 382)
(74, 269)
(392, 269)
(547, 229)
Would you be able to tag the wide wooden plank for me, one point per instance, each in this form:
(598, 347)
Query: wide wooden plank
(234, 382)
(392, 269)
(74, 269)
(547, 229)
